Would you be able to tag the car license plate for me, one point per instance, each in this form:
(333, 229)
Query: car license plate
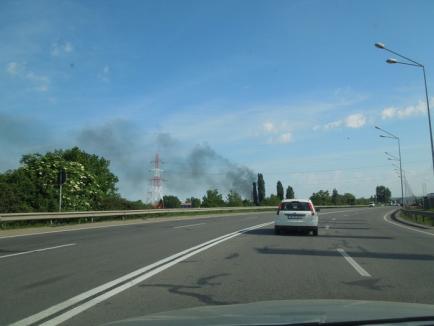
(293, 216)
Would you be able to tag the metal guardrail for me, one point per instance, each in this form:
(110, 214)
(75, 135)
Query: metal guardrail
(414, 213)
(17, 217)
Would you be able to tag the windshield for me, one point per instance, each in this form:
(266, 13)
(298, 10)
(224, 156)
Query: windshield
(295, 206)
(166, 155)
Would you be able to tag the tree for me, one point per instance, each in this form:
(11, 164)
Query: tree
(116, 202)
(349, 199)
(289, 193)
(279, 190)
(255, 194)
(247, 203)
(171, 202)
(321, 197)
(34, 185)
(261, 188)
(273, 200)
(383, 194)
(195, 202)
(212, 199)
(335, 197)
(234, 199)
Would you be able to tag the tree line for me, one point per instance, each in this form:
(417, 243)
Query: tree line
(33, 187)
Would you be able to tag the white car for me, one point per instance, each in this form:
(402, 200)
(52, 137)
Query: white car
(296, 214)
(371, 204)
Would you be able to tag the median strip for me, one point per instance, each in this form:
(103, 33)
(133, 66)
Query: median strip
(37, 250)
(107, 290)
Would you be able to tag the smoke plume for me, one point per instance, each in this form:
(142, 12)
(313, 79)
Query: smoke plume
(187, 170)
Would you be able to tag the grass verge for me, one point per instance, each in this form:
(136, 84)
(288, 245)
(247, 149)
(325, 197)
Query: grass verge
(417, 218)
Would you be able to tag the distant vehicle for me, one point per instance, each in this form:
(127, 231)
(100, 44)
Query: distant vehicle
(371, 204)
(296, 214)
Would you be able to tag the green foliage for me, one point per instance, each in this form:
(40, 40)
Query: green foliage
(279, 190)
(213, 199)
(273, 200)
(335, 197)
(255, 194)
(261, 188)
(34, 186)
(321, 198)
(234, 199)
(116, 202)
(363, 201)
(289, 193)
(248, 203)
(171, 202)
(383, 194)
(195, 202)
(349, 199)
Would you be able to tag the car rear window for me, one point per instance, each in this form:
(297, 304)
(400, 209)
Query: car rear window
(295, 206)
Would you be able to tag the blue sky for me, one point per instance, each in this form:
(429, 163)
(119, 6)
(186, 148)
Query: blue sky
(291, 89)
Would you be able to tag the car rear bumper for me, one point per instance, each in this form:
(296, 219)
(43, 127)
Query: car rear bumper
(298, 228)
(308, 222)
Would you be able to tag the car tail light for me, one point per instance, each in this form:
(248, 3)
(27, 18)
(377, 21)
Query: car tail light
(312, 210)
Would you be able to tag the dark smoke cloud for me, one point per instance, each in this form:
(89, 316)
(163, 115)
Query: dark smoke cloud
(187, 169)
(19, 136)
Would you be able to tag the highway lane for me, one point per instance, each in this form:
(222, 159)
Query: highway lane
(254, 266)
(41, 279)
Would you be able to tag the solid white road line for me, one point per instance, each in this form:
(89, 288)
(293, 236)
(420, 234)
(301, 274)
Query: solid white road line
(188, 225)
(404, 226)
(37, 250)
(132, 278)
(353, 263)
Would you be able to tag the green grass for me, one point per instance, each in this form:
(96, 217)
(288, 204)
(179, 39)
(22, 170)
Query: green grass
(63, 222)
(420, 219)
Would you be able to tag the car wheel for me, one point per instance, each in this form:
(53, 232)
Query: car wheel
(315, 232)
(276, 230)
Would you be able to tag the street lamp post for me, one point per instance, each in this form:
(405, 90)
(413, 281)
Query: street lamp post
(392, 157)
(419, 65)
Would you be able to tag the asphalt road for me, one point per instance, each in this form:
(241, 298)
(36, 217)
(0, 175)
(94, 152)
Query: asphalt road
(91, 277)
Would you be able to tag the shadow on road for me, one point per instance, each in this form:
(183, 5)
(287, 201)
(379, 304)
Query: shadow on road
(271, 232)
(334, 253)
(370, 284)
(189, 290)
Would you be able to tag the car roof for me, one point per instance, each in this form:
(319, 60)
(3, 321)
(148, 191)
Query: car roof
(296, 199)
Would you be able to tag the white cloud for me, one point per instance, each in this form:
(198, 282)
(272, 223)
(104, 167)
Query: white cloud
(285, 138)
(36, 78)
(40, 82)
(269, 127)
(405, 112)
(356, 120)
(59, 48)
(279, 132)
(104, 75)
(333, 125)
(12, 68)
